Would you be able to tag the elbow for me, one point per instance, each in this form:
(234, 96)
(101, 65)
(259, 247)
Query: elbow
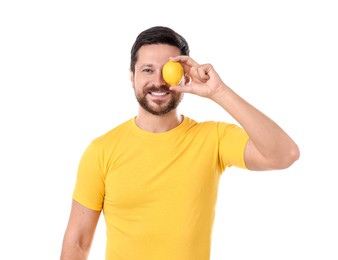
(289, 158)
(296, 153)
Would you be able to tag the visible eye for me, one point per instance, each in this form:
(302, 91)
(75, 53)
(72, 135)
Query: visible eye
(147, 70)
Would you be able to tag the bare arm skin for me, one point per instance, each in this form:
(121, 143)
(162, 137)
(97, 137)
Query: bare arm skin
(79, 233)
(269, 147)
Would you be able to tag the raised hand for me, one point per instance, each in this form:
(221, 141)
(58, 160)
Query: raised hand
(201, 79)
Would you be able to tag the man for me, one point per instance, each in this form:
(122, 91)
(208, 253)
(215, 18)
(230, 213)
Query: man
(156, 175)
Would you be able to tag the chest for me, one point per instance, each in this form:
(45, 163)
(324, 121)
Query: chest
(159, 173)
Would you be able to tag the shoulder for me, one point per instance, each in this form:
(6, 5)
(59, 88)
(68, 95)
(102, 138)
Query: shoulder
(113, 134)
(208, 125)
(217, 129)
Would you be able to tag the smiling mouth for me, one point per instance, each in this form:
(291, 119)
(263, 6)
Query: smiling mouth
(158, 94)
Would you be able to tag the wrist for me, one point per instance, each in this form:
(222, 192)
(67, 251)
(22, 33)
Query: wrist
(220, 93)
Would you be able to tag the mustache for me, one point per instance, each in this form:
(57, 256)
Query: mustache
(162, 88)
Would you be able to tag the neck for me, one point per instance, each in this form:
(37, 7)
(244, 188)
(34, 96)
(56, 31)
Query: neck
(158, 124)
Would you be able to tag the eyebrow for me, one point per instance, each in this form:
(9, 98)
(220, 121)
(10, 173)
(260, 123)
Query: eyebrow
(146, 65)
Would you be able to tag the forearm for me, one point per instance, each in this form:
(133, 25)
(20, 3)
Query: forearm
(269, 139)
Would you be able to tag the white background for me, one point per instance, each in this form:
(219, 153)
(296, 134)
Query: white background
(64, 79)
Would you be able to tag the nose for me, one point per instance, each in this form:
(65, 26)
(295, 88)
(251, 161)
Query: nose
(159, 80)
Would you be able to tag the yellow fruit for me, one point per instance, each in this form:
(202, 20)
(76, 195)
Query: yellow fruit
(172, 73)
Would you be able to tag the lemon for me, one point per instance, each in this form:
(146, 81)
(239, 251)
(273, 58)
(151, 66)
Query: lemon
(172, 73)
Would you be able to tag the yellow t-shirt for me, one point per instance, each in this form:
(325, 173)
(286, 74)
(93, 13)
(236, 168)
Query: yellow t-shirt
(158, 191)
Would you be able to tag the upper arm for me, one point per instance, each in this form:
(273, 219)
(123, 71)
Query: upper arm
(276, 160)
(81, 227)
(254, 160)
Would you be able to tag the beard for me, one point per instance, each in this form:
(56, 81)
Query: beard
(161, 107)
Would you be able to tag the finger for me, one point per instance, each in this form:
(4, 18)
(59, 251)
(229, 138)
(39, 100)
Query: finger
(184, 60)
(203, 72)
(182, 89)
(199, 74)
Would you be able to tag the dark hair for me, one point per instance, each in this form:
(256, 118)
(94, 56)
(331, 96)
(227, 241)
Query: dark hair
(158, 35)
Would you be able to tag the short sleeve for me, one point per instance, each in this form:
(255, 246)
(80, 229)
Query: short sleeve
(232, 143)
(89, 188)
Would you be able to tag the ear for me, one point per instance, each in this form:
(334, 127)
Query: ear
(132, 78)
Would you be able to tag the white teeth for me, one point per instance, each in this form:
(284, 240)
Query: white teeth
(158, 93)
